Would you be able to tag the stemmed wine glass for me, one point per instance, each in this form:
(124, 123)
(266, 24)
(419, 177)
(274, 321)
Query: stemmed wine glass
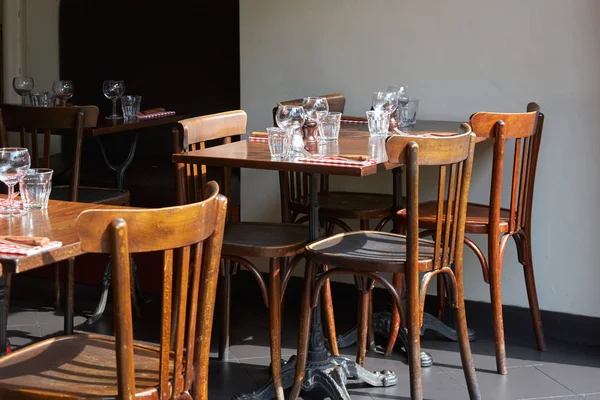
(315, 109)
(385, 101)
(23, 85)
(14, 163)
(113, 90)
(63, 90)
(402, 94)
(292, 118)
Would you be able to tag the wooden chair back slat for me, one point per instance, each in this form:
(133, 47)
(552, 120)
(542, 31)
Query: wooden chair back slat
(525, 129)
(43, 120)
(196, 232)
(454, 156)
(294, 185)
(193, 134)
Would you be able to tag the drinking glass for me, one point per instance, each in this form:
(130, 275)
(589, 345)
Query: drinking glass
(377, 149)
(35, 187)
(63, 90)
(385, 101)
(279, 143)
(292, 118)
(14, 163)
(113, 90)
(40, 99)
(379, 122)
(408, 112)
(131, 106)
(23, 85)
(315, 108)
(329, 130)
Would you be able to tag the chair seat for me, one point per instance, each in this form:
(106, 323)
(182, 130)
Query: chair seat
(96, 195)
(477, 217)
(258, 239)
(368, 251)
(349, 205)
(76, 366)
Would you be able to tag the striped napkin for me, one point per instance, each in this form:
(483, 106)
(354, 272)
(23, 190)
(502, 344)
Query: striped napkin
(336, 161)
(154, 115)
(16, 203)
(354, 120)
(260, 137)
(25, 250)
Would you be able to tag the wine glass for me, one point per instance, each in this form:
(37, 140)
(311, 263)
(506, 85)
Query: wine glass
(315, 108)
(402, 94)
(63, 90)
(385, 101)
(113, 90)
(23, 85)
(292, 118)
(14, 163)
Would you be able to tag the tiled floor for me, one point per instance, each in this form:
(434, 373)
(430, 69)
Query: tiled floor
(564, 372)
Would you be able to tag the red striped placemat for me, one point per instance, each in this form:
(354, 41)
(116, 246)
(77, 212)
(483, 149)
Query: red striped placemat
(154, 115)
(259, 139)
(355, 121)
(335, 161)
(22, 250)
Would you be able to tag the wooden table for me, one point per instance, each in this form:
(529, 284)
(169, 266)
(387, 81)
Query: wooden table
(58, 224)
(354, 139)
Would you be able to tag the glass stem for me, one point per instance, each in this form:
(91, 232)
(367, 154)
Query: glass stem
(11, 194)
(22, 100)
(114, 113)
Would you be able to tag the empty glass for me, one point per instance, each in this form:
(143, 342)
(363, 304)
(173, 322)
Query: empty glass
(40, 99)
(35, 187)
(14, 163)
(113, 90)
(291, 117)
(23, 85)
(379, 122)
(329, 129)
(131, 106)
(63, 90)
(280, 143)
(408, 113)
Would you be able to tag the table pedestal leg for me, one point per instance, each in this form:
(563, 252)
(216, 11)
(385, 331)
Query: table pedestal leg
(324, 373)
(120, 168)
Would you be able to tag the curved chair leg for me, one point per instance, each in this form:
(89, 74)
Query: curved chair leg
(398, 282)
(495, 275)
(327, 307)
(534, 306)
(275, 324)
(441, 297)
(364, 226)
(57, 287)
(413, 323)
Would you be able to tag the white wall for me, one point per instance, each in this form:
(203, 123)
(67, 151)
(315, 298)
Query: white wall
(459, 57)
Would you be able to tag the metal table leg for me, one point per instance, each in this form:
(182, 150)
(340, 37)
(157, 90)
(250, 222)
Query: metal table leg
(120, 168)
(323, 372)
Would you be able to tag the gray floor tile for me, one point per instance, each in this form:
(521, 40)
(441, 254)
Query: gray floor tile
(21, 317)
(243, 351)
(592, 396)
(23, 335)
(228, 379)
(579, 379)
(519, 383)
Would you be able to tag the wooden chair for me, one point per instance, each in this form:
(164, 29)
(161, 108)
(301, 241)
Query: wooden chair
(366, 254)
(278, 242)
(68, 121)
(334, 208)
(97, 366)
(498, 223)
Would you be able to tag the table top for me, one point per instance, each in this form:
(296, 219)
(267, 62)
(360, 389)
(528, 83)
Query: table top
(111, 126)
(56, 223)
(354, 139)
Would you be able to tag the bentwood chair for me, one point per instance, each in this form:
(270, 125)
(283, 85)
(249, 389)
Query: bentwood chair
(97, 366)
(274, 241)
(68, 122)
(334, 207)
(498, 223)
(367, 254)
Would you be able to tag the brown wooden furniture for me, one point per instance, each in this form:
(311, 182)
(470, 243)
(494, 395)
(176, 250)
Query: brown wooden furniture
(56, 223)
(498, 223)
(367, 253)
(278, 242)
(94, 366)
(68, 121)
(250, 154)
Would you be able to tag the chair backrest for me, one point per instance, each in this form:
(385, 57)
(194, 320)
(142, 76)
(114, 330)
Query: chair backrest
(294, 185)
(196, 231)
(526, 130)
(43, 120)
(454, 157)
(193, 134)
